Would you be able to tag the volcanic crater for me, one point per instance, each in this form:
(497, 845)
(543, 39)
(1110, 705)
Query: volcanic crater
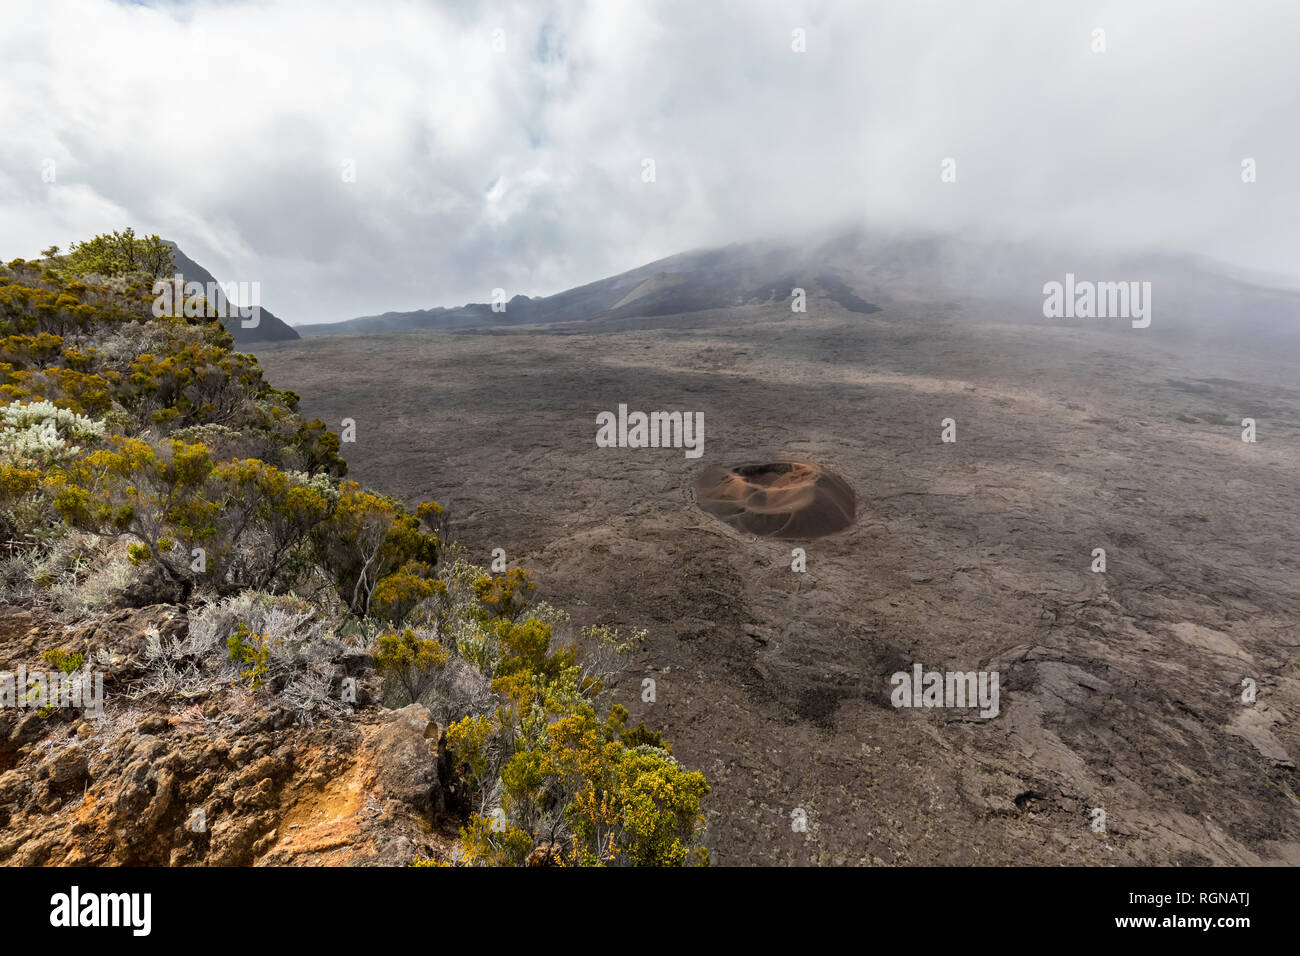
(781, 499)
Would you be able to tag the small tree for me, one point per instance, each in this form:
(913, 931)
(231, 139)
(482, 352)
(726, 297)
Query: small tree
(120, 253)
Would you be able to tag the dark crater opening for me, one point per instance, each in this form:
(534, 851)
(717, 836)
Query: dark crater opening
(760, 472)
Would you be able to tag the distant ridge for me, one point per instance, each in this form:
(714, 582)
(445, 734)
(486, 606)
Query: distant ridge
(688, 282)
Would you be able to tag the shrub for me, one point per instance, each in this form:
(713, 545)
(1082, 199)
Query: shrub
(397, 594)
(505, 596)
(66, 661)
(594, 792)
(486, 844)
(236, 524)
(470, 741)
(40, 433)
(367, 538)
(162, 498)
(252, 649)
(271, 643)
(267, 517)
(409, 659)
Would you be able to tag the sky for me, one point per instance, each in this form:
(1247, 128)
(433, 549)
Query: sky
(355, 158)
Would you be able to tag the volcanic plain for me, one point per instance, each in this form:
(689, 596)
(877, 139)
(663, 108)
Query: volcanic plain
(1163, 691)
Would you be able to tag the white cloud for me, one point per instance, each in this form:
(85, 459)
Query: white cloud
(224, 125)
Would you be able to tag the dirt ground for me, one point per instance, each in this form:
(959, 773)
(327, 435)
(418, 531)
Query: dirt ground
(1120, 691)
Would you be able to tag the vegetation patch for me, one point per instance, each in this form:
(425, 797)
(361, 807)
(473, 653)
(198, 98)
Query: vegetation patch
(144, 461)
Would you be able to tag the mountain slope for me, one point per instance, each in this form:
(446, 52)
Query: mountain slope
(861, 272)
(270, 328)
(688, 282)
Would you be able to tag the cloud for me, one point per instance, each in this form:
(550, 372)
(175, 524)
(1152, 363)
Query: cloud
(502, 144)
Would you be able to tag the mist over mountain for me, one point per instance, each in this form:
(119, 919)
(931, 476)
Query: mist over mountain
(1194, 296)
